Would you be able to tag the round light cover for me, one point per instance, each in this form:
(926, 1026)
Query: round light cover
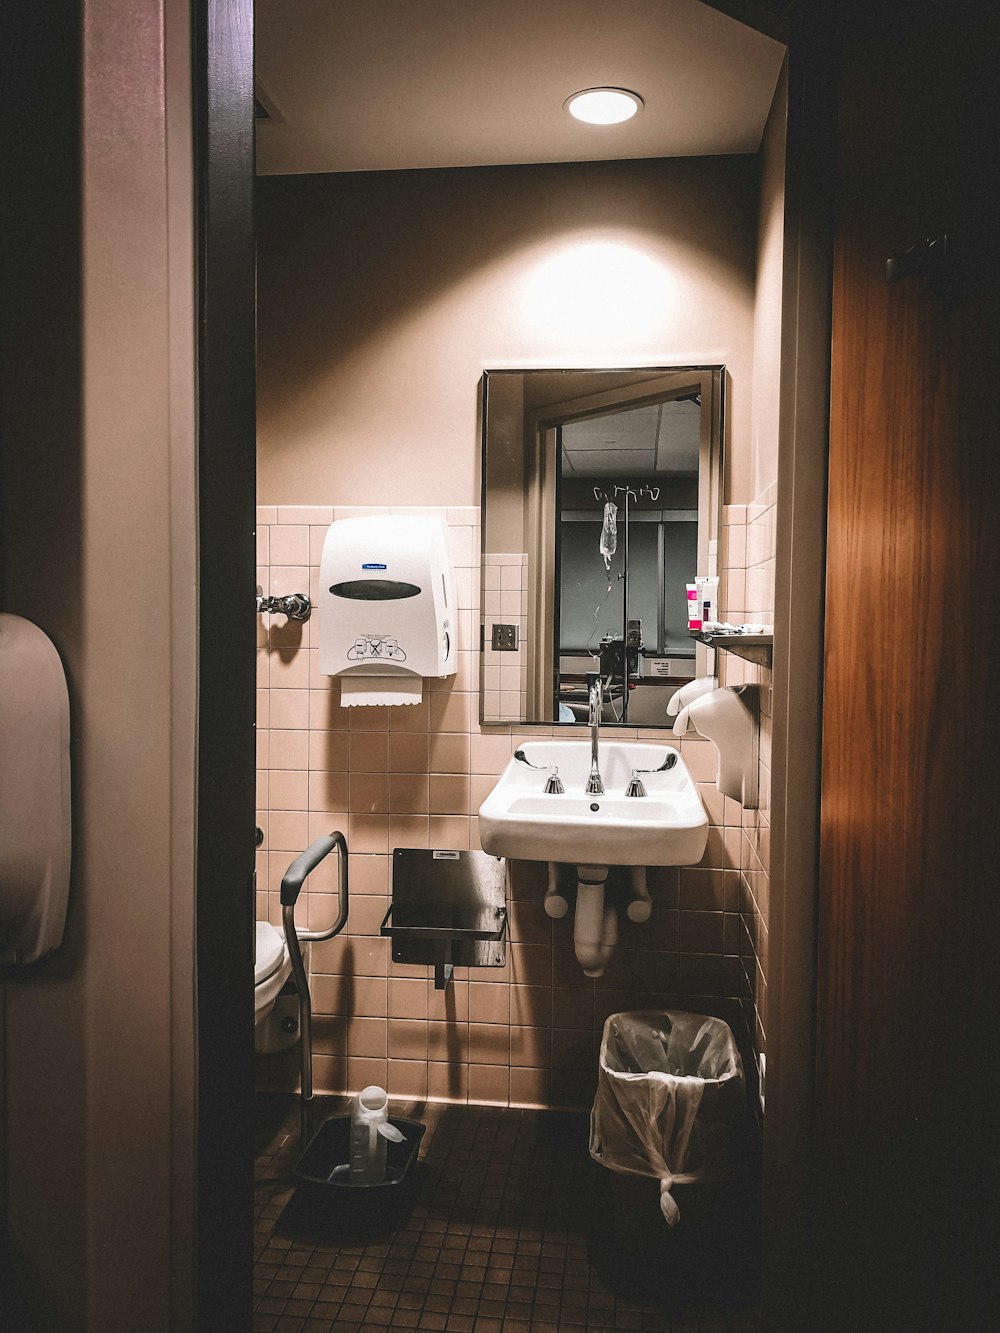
(603, 106)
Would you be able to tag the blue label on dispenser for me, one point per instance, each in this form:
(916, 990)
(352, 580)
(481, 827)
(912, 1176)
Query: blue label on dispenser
(373, 565)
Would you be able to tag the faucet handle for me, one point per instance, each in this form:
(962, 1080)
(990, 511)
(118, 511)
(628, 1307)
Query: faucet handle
(636, 787)
(553, 783)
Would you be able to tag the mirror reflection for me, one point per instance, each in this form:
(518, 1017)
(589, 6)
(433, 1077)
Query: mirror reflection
(600, 503)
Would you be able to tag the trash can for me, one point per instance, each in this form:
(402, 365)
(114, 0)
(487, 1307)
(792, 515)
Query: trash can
(669, 1099)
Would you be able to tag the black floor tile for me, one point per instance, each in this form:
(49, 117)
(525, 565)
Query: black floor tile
(504, 1226)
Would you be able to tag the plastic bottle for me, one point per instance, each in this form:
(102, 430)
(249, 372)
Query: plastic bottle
(369, 1130)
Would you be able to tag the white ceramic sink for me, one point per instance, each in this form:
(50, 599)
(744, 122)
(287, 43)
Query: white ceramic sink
(667, 827)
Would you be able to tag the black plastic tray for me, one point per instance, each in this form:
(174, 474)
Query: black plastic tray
(330, 1148)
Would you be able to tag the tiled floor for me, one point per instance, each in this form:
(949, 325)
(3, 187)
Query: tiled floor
(506, 1228)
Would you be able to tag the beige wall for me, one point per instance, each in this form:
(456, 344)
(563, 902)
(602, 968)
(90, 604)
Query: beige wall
(384, 296)
(767, 304)
(382, 299)
(98, 549)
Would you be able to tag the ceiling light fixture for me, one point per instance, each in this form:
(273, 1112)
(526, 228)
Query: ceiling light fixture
(603, 106)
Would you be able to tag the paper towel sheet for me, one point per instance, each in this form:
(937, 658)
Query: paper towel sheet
(380, 691)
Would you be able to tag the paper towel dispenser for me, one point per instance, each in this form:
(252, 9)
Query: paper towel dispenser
(35, 833)
(386, 606)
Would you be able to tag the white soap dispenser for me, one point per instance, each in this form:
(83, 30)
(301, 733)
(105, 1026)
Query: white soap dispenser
(689, 692)
(730, 719)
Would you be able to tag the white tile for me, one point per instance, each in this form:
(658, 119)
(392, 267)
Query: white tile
(510, 678)
(510, 705)
(736, 548)
(464, 590)
(462, 514)
(460, 547)
(306, 514)
(759, 548)
(760, 590)
(289, 709)
(290, 544)
(286, 579)
(420, 511)
(289, 670)
(359, 511)
(317, 536)
(736, 589)
(468, 629)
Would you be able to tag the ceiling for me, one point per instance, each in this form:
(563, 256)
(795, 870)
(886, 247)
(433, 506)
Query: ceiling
(379, 85)
(656, 438)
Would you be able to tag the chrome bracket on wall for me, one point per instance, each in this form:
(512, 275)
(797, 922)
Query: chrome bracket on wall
(296, 606)
(448, 910)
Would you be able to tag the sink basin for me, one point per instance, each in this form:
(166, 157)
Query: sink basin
(666, 827)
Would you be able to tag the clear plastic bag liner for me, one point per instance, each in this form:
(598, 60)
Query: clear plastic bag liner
(669, 1095)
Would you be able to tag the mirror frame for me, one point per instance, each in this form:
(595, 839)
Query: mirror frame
(540, 502)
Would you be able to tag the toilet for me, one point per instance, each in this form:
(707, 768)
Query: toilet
(272, 968)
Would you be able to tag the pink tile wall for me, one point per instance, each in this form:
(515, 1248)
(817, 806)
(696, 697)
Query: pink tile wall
(525, 1034)
(505, 592)
(747, 595)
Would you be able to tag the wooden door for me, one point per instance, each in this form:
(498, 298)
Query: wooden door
(906, 1091)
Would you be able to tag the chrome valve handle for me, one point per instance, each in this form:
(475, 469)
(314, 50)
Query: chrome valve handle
(296, 605)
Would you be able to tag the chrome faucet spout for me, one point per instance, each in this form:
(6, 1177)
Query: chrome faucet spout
(595, 786)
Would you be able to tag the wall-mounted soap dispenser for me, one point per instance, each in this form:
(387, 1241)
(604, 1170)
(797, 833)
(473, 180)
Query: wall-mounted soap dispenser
(34, 794)
(386, 608)
(689, 692)
(730, 719)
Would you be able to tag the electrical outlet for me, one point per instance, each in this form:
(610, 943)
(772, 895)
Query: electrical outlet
(505, 638)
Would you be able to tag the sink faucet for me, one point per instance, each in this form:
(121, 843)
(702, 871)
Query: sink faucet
(594, 787)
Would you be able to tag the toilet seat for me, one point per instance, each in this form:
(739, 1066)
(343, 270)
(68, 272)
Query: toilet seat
(269, 952)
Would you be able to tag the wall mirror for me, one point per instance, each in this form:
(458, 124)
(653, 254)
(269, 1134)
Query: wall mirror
(601, 501)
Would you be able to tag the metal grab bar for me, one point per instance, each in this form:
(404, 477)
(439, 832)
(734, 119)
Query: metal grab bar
(291, 886)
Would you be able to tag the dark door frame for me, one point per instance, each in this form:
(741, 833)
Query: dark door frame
(224, 156)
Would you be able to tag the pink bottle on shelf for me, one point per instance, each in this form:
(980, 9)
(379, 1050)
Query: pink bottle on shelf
(694, 607)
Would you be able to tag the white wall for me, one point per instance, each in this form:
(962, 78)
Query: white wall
(384, 296)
